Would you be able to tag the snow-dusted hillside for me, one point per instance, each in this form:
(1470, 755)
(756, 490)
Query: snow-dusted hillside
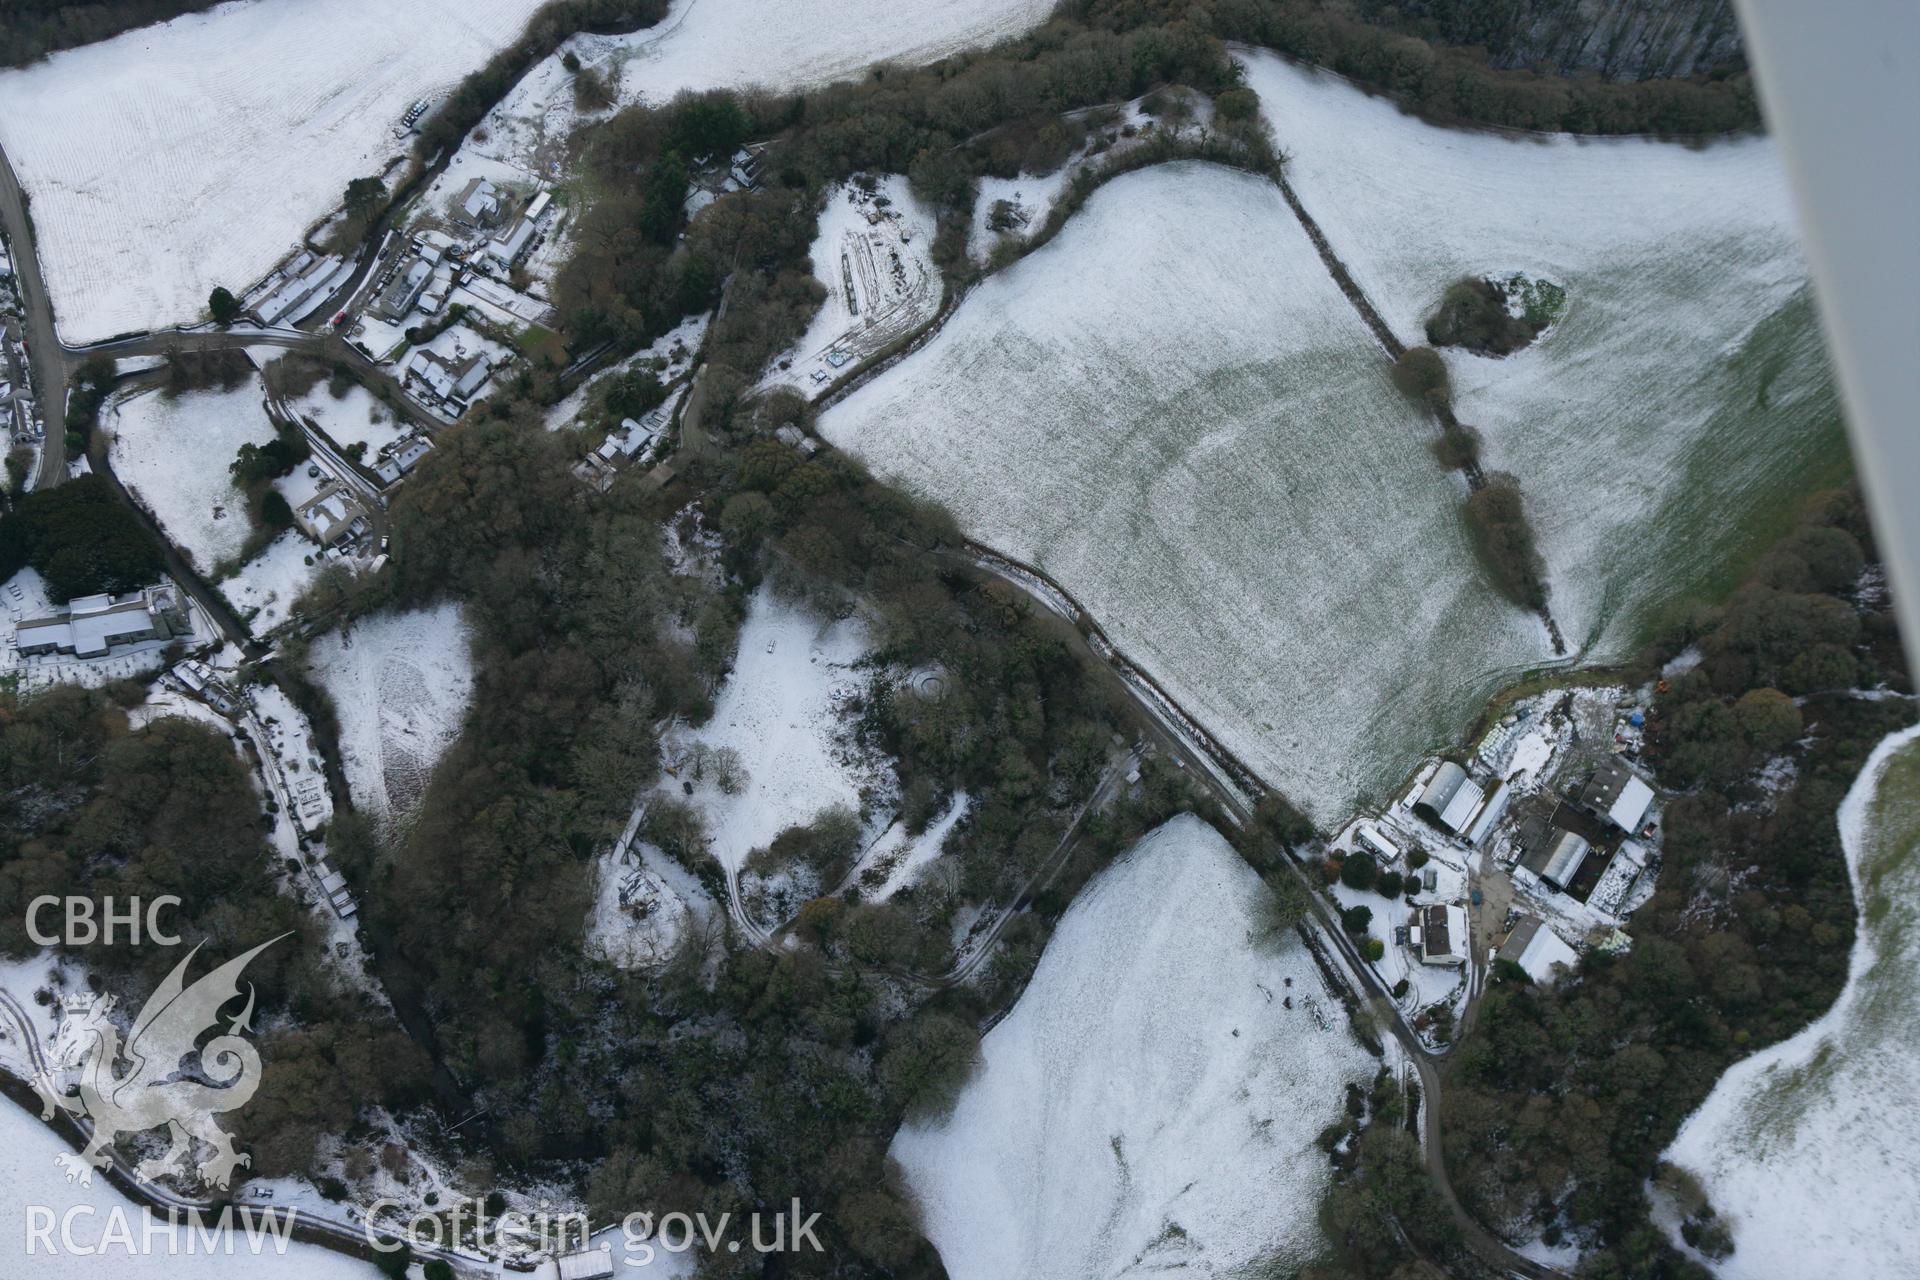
(401, 684)
(178, 157)
(1173, 410)
(1808, 1148)
(1151, 1103)
(1682, 402)
(720, 44)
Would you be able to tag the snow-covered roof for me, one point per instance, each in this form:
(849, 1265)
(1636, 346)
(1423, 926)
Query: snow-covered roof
(594, 1264)
(1620, 793)
(1379, 843)
(1536, 948)
(1490, 813)
(1631, 808)
(1560, 860)
(91, 625)
(1451, 796)
(1443, 934)
(510, 245)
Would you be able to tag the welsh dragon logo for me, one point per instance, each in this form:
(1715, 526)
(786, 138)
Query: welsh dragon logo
(153, 1091)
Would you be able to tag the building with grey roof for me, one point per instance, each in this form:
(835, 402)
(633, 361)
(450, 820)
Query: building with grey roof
(93, 626)
(1450, 798)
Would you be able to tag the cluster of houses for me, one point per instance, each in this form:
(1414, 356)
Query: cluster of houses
(1584, 843)
(628, 445)
(434, 265)
(17, 418)
(485, 206)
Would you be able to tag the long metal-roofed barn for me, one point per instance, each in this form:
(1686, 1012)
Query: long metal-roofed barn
(1557, 861)
(1450, 797)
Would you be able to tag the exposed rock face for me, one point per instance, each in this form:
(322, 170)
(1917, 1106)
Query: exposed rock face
(1617, 39)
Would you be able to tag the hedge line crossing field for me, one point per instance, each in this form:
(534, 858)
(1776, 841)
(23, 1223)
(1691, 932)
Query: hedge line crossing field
(1173, 410)
(1665, 427)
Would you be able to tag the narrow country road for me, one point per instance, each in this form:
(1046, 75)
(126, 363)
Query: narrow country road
(52, 364)
(1173, 738)
(307, 1226)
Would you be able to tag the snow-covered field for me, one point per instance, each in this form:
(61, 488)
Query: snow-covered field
(175, 158)
(1808, 1149)
(779, 711)
(1173, 410)
(716, 44)
(1669, 420)
(1151, 1103)
(96, 1244)
(172, 453)
(876, 262)
(401, 683)
(357, 417)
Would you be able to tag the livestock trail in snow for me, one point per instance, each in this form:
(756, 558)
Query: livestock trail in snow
(1390, 342)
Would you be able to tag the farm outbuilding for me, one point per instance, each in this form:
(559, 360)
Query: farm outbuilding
(1619, 795)
(1538, 950)
(1558, 859)
(1450, 798)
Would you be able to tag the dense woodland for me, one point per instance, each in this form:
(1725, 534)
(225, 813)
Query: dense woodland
(735, 1079)
(87, 801)
(81, 539)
